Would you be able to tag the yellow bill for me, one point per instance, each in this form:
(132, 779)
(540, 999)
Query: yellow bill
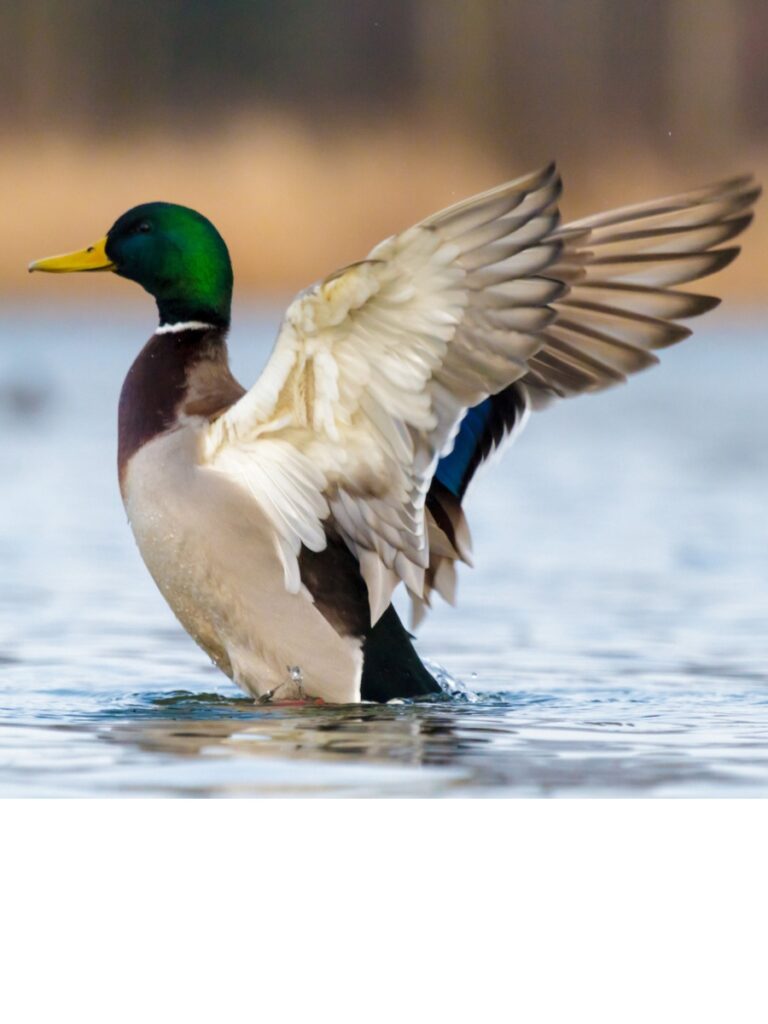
(93, 258)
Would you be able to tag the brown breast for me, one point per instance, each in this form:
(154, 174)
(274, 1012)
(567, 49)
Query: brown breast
(176, 373)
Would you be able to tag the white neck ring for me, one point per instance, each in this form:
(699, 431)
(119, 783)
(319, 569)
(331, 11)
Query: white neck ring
(185, 325)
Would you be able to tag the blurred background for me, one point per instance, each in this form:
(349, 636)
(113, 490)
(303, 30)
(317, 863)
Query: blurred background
(309, 129)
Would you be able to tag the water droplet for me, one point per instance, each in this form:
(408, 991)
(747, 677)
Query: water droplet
(294, 671)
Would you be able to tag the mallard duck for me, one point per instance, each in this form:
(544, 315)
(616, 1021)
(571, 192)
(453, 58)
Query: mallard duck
(277, 522)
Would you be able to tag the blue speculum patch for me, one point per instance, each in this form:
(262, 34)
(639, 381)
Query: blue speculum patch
(452, 467)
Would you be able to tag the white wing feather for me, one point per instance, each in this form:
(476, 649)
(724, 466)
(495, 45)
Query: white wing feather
(373, 370)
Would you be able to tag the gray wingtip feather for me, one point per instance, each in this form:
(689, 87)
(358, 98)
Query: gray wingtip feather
(722, 259)
(703, 305)
(639, 279)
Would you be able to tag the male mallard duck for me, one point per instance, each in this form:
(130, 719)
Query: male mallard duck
(277, 522)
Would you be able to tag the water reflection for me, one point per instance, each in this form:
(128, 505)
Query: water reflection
(536, 745)
(414, 735)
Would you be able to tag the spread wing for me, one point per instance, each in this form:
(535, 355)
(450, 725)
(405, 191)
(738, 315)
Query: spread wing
(624, 302)
(376, 366)
(373, 370)
(625, 267)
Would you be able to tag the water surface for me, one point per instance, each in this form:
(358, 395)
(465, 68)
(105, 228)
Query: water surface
(612, 637)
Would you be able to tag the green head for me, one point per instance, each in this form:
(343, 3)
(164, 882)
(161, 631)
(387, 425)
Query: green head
(173, 252)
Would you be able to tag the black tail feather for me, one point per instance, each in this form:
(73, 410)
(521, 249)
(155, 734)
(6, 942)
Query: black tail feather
(391, 666)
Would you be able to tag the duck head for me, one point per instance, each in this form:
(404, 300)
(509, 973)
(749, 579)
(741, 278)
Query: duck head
(173, 252)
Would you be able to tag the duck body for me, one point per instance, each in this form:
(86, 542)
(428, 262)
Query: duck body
(278, 522)
(210, 548)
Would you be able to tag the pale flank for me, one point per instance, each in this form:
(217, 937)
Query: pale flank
(375, 366)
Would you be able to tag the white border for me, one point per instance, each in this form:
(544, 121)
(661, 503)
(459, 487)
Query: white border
(396, 911)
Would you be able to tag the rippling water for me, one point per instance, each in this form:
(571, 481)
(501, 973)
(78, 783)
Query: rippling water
(612, 639)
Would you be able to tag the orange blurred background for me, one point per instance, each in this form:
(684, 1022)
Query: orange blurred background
(309, 130)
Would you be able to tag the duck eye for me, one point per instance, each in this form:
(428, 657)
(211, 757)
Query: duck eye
(144, 226)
